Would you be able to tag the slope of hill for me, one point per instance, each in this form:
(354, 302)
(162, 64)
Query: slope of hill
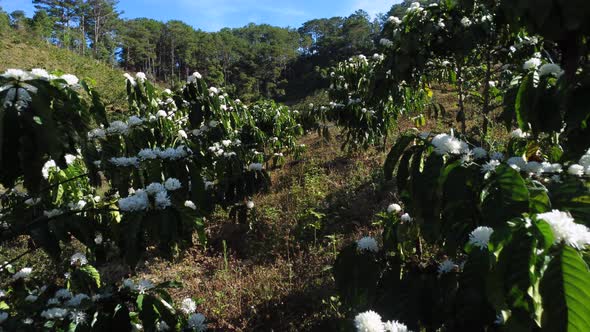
(21, 51)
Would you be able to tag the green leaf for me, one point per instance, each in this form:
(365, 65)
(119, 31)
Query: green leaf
(524, 107)
(504, 197)
(395, 154)
(565, 289)
(546, 233)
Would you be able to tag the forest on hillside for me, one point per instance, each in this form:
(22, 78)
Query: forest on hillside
(255, 61)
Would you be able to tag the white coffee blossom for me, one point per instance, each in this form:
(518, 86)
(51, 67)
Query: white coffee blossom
(162, 200)
(78, 317)
(125, 161)
(517, 163)
(446, 266)
(406, 218)
(532, 63)
(447, 144)
(367, 243)
(518, 133)
(76, 300)
(154, 188)
(96, 133)
(117, 128)
(369, 321)
(134, 121)
(490, 166)
(250, 205)
(479, 153)
(188, 306)
(533, 167)
(190, 204)
(70, 79)
(386, 42)
(17, 74)
(63, 294)
(182, 134)
(497, 156)
(566, 230)
(140, 76)
(551, 168)
(162, 326)
(172, 184)
(255, 167)
(130, 79)
(576, 170)
(395, 326)
(24, 273)
(550, 69)
(48, 166)
(54, 313)
(466, 22)
(31, 298)
(481, 236)
(394, 20)
(394, 208)
(78, 259)
(136, 202)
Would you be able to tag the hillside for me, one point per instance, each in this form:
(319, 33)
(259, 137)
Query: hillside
(21, 51)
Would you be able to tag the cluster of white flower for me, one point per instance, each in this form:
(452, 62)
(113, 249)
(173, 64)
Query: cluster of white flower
(54, 313)
(188, 306)
(194, 77)
(142, 286)
(518, 133)
(532, 64)
(446, 267)
(370, 321)
(414, 7)
(218, 149)
(480, 237)
(136, 202)
(78, 259)
(394, 20)
(367, 243)
(255, 167)
(39, 74)
(125, 161)
(394, 208)
(386, 42)
(550, 69)
(566, 230)
(190, 204)
(49, 165)
(130, 79)
(466, 22)
(171, 154)
(447, 144)
(76, 301)
(583, 166)
(24, 274)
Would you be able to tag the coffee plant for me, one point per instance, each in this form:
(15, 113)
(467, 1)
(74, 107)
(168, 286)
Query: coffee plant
(110, 186)
(490, 236)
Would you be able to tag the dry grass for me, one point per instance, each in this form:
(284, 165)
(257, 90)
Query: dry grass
(275, 274)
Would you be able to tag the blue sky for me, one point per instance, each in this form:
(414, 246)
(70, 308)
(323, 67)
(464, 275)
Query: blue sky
(212, 15)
